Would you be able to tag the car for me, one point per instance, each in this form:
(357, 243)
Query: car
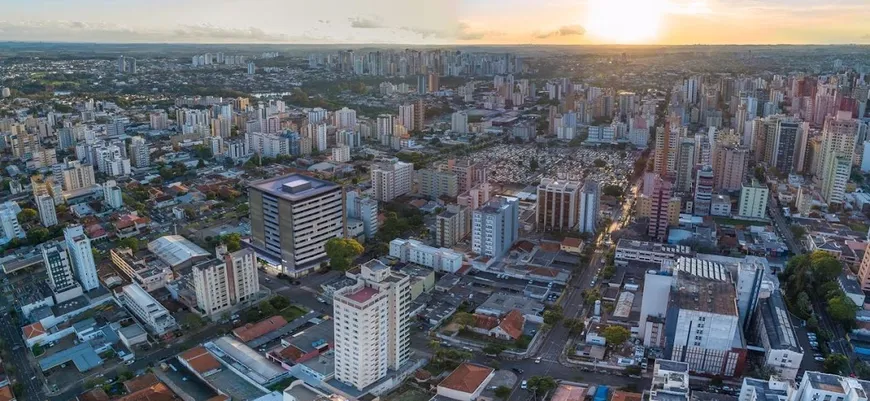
(524, 385)
(538, 360)
(517, 370)
(819, 359)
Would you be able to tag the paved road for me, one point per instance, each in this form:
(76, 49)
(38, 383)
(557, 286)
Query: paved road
(24, 371)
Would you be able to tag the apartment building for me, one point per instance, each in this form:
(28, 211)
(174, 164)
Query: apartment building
(495, 227)
(227, 280)
(391, 179)
(558, 205)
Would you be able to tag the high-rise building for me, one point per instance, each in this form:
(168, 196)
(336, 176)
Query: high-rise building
(159, 120)
(434, 82)
(467, 172)
(79, 247)
(391, 179)
(459, 122)
(9, 221)
(421, 84)
(783, 153)
(292, 218)
(364, 209)
(419, 115)
(45, 206)
(703, 191)
(317, 115)
(77, 176)
(667, 138)
(495, 227)
(406, 116)
(436, 183)
(345, 118)
(753, 200)
(452, 225)
(839, 136)
(730, 166)
(558, 205)
(112, 196)
(685, 165)
(590, 198)
(371, 325)
(60, 274)
(658, 220)
(227, 280)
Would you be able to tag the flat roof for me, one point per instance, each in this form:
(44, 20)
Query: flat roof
(567, 392)
(777, 323)
(362, 295)
(692, 292)
(294, 187)
(82, 355)
(254, 365)
(653, 247)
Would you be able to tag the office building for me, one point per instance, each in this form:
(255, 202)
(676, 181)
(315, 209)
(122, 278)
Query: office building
(459, 122)
(9, 220)
(77, 176)
(364, 209)
(81, 256)
(753, 200)
(452, 225)
(391, 179)
(730, 165)
(703, 199)
(495, 227)
(227, 280)
(558, 205)
(413, 251)
(783, 154)
(60, 274)
(670, 381)
(292, 218)
(435, 183)
(838, 144)
(371, 325)
(139, 152)
(590, 198)
(155, 316)
(773, 329)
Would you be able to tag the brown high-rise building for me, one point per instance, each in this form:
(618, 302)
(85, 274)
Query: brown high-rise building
(730, 167)
(659, 216)
(434, 82)
(419, 115)
(558, 205)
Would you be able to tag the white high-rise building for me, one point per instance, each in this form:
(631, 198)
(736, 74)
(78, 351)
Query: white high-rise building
(319, 132)
(495, 227)
(112, 195)
(79, 247)
(838, 144)
(267, 145)
(77, 176)
(391, 179)
(371, 325)
(147, 309)
(45, 206)
(159, 120)
(227, 280)
(60, 275)
(590, 198)
(341, 154)
(364, 209)
(753, 200)
(406, 116)
(385, 126)
(316, 115)
(9, 220)
(139, 152)
(459, 122)
(345, 118)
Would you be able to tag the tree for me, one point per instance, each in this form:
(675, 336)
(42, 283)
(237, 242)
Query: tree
(493, 349)
(552, 317)
(841, 308)
(575, 326)
(541, 384)
(233, 242)
(27, 215)
(131, 243)
(836, 363)
(463, 319)
(533, 164)
(612, 190)
(267, 309)
(193, 321)
(342, 251)
(615, 335)
(37, 350)
(803, 305)
(797, 230)
(502, 392)
(279, 302)
(634, 370)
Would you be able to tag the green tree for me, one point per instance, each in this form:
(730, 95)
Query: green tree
(279, 302)
(533, 164)
(541, 384)
(797, 230)
(493, 349)
(342, 251)
(233, 242)
(803, 305)
(612, 190)
(37, 350)
(131, 243)
(463, 319)
(193, 321)
(575, 326)
(267, 309)
(27, 215)
(599, 163)
(552, 317)
(842, 309)
(502, 392)
(615, 335)
(836, 363)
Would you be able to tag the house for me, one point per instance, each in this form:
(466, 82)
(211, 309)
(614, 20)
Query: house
(199, 360)
(572, 245)
(34, 333)
(250, 332)
(6, 394)
(508, 328)
(466, 382)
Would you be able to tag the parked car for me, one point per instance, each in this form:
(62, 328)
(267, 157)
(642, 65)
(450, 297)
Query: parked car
(524, 385)
(517, 371)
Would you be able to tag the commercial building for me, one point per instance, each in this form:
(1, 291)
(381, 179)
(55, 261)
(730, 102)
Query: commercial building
(292, 218)
(685, 165)
(590, 198)
(558, 205)
(79, 247)
(144, 268)
(466, 382)
(670, 381)
(60, 274)
(223, 282)
(452, 225)
(765, 390)
(720, 205)
(45, 206)
(435, 184)
(649, 252)
(753, 200)
(150, 312)
(371, 325)
(177, 251)
(495, 227)
(413, 251)
(391, 179)
(774, 331)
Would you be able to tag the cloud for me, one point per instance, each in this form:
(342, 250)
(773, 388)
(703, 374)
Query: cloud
(365, 23)
(462, 31)
(567, 30)
(866, 37)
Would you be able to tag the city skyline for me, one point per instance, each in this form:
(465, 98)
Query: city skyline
(583, 22)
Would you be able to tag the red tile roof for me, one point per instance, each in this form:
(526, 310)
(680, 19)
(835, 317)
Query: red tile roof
(512, 324)
(157, 392)
(625, 396)
(140, 383)
(6, 394)
(550, 246)
(466, 378)
(254, 331)
(485, 322)
(97, 394)
(33, 330)
(200, 360)
(572, 242)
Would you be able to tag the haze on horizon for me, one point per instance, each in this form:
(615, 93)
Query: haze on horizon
(665, 22)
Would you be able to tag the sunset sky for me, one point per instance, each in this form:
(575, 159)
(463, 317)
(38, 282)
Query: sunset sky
(439, 21)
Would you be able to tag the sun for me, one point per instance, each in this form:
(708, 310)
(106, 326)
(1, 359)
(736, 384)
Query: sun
(624, 21)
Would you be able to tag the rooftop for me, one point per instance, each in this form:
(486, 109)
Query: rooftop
(200, 360)
(294, 187)
(467, 378)
(567, 392)
(777, 323)
(175, 249)
(252, 331)
(699, 294)
(82, 355)
(251, 363)
(654, 247)
(362, 294)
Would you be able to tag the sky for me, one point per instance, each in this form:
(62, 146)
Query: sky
(439, 22)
